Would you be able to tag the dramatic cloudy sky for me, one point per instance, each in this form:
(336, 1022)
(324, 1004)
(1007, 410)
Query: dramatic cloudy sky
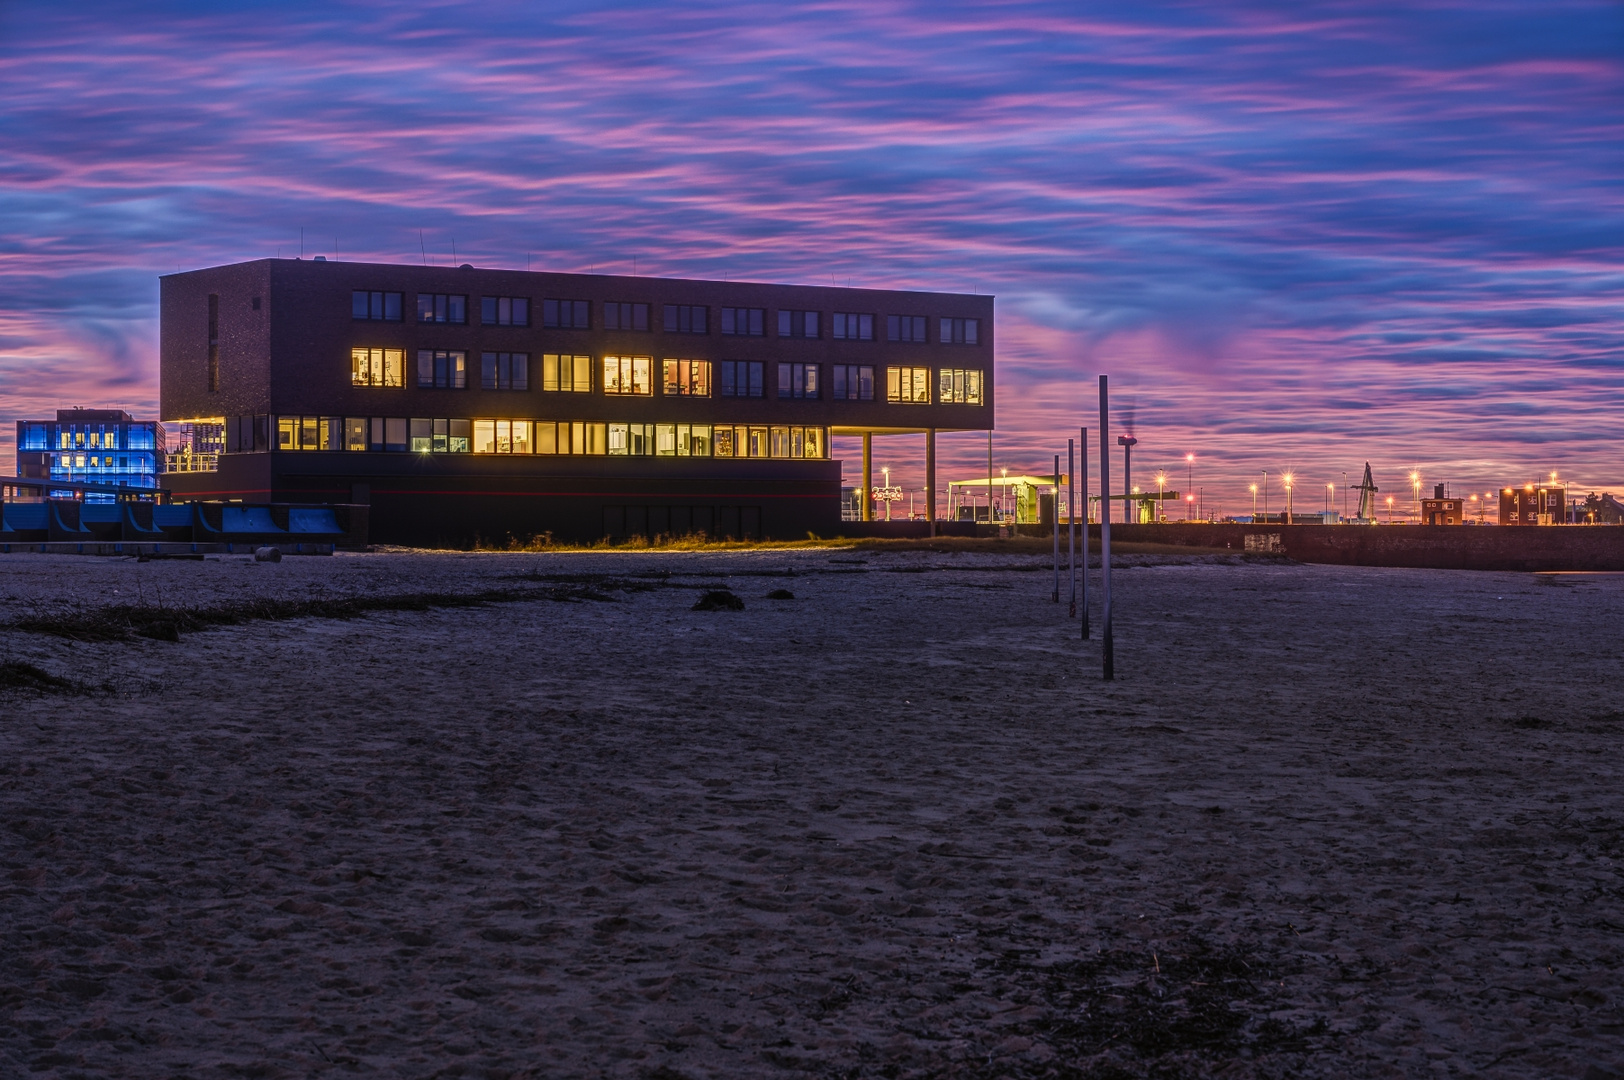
(1296, 236)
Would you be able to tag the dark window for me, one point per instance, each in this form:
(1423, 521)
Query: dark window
(742, 378)
(960, 332)
(504, 311)
(379, 306)
(617, 316)
(852, 382)
(442, 370)
(797, 380)
(848, 327)
(744, 321)
(566, 314)
(442, 308)
(686, 319)
(905, 327)
(798, 324)
(504, 371)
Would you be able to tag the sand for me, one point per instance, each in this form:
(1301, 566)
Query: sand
(1328, 822)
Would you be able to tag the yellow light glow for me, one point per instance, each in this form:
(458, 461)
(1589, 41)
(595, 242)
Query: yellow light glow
(1553, 478)
(1189, 457)
(1286, 479)
(1254, 489)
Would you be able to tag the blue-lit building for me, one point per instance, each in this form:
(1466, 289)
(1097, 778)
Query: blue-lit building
(98, 446)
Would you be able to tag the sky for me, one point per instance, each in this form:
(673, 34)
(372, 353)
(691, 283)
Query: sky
(1296, 236)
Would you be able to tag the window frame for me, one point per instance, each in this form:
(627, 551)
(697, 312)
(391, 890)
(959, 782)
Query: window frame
(552, 312)
(378, 364)
(920, 323)
(798, 381)
(894, 389)
(755, 324)
(840, 322)
(442, 310)
(628, 368)
(624, 307)
(729, 378)
(446, 376)
(844, 377)
(678, 319)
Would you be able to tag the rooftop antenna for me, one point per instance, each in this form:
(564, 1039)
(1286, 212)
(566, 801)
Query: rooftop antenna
(423, 247)
(1367, 495)
(453, 251)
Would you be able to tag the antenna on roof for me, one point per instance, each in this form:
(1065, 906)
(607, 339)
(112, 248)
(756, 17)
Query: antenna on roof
(423, 247)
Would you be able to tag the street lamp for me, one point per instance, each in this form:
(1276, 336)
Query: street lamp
(1286, 479)
(1328, 489)
(1479, 507)
(1003, 491)
(886, 469)
(1254, 504)
(1389, 509)
(1265, 493)
(1415, 482)
(1161, 483)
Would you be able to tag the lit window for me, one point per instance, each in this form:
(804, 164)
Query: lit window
(504, 371)
(908, 385)
(376, 306)
(566, 314)
(635, 440)
(687, 378)
(618, 316)
(377, 367)
(961, 386)
(309, 433)
(504, 311)
(572, 438)
(443, 370)
(798, 324)
(628, 375)
(852, 382)
(502, 436)
(686, 319)
(744, 321)
(905, 328)
(849, 327)
(746, 441)
(682, 440)
(797, 380)
(442, 308)
(742, 378)
(960, 332)
(566, 374)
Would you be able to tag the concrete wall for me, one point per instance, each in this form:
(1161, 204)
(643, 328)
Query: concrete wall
(1449, 547)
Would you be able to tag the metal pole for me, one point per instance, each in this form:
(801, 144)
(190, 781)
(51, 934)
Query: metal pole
(867, 511)
(1071, 525)
(1105, 527)
(1056, 516)
(930, 479)
(1082, 462)
(989, 476)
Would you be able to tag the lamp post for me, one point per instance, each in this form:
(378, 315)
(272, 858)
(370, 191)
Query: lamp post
(1287, 479)
(1003, 492)
(1415, 482)
(1328, 489)
(1389, 509)
(1254, 504)
(1161, 485)
(1475, 499)
(886, 469)
(1265, 493)
(1344, 495)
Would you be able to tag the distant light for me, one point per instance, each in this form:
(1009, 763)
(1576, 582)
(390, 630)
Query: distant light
(1254, 489)
(1189, 457)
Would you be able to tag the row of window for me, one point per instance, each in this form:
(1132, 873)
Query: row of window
(454, 436)
(92, 436)
(447, 369)
(104, 462)
(452, 308)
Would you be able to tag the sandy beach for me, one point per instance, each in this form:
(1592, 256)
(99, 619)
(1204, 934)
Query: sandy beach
(1327, 822)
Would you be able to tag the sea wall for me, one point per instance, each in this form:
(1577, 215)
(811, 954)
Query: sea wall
(1447, 547)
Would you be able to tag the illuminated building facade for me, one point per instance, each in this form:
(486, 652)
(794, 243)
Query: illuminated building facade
(1441, 509)
(1533, 504)
(98, 446)
(465, 403)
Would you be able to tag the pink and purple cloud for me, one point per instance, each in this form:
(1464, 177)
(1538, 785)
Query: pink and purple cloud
(1295, 237)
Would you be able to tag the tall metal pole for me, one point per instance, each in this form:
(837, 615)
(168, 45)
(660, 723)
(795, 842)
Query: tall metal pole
(867, 513)
(1105, 526)
(1071, 525)
(1082, 462)
(930, 479)
(1056, 517)
(989, 476)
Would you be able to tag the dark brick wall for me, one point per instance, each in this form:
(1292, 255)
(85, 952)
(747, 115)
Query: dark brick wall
(245, 342)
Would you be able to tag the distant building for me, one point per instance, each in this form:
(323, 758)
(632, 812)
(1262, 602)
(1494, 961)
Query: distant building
(1439, 510)
(1602, 509)
(1533, 504)
(98, 446)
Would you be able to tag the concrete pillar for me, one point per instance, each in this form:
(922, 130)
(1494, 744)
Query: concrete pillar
(930, 478)
(868, 476)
